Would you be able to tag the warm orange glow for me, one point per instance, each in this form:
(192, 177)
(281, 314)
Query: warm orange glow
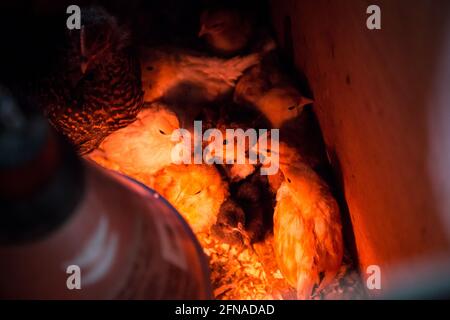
(307, 241)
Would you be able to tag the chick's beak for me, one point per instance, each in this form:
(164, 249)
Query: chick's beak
(305, 101)
(84, 66)
(203, 31)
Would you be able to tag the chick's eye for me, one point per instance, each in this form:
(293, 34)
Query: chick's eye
(216, 26)
(162, 132)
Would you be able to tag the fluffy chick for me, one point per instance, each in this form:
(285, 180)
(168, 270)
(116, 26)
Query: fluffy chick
(269, 90)
(307, 230)
(143, 151)
(255, 198)
(230, 223)
(241, 119)
(196, 191)
(142, 148)
(227, 31)
(177, 75)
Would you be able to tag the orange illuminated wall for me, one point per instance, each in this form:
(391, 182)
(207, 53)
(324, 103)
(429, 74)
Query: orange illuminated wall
(383, 109)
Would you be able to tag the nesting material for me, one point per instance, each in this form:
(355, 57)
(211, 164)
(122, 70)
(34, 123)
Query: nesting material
(236, 273)
(251, 273)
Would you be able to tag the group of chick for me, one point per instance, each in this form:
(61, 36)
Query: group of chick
(180, 85)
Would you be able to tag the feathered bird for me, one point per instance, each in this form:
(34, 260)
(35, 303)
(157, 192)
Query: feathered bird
(307, 229)
(143, 147)
(177, 75)
(256, 200)
(240, 118)
(268, 89)
(230, 224)
(188, 80)
(228, 31)
(196, 191)
(95, 88)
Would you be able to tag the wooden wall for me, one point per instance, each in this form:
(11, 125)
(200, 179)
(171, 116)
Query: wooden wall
(376, 101)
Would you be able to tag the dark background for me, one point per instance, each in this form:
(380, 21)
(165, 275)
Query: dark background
(32, 30)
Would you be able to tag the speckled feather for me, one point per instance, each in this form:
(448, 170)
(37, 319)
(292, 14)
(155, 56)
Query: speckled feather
(97, 105)
(88, 107)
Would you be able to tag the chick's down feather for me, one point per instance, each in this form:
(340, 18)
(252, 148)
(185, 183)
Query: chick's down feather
(196, 191)
(269, 90)
(142, 148)
(307, 230)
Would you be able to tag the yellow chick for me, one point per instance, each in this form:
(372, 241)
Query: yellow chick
(227, 31)
(307, 229)
(196, 191)
(143, 150)
(266, 88)
(143, 147)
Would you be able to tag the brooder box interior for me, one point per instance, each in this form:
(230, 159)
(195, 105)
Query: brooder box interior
(382, 102)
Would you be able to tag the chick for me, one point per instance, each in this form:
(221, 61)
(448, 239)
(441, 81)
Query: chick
(177, 75)
(238, 117)
(143, 151)
(256, 200)
(142, 148)
(196, 191)
(307, 230)
(269, 90)
(230, 224)
(227, 31)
